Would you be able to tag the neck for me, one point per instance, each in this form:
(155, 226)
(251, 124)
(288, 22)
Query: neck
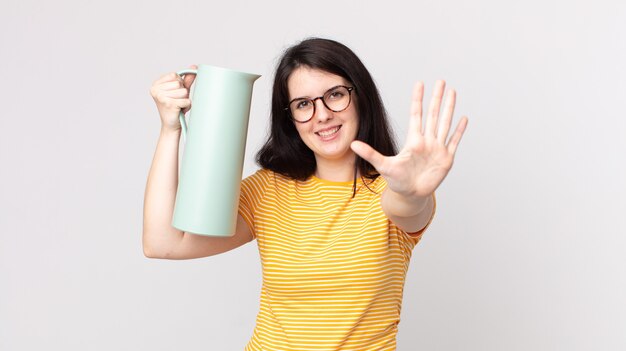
(340, 170)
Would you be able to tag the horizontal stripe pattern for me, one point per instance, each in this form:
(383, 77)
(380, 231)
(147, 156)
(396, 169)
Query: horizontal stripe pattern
(333, 265)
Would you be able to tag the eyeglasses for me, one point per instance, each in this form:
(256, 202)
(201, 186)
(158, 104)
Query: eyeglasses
(335, 99)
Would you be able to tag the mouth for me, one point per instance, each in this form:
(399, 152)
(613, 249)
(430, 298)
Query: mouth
(328, 132)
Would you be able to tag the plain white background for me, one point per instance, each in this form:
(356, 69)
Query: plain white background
(527, 251)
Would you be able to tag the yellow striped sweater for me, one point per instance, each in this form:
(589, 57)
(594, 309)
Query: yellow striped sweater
(333, 266)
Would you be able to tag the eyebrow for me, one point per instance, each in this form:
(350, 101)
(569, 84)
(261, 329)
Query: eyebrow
(309, 97)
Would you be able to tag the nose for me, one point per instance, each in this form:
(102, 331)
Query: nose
(322, 114)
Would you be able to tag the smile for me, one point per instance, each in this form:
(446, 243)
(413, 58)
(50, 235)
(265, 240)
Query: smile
(328, 132)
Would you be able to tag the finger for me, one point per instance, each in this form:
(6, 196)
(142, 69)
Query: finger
(433, 108)
(188, 81)
(458, 134)
(178, 93)
(170, 86)
(368, 153)
(415, 122)
(189, 78)
(168, 90)
(170, 97)
(182, 103)
(446, 118)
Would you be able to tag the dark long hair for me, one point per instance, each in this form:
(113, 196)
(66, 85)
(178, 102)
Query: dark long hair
(284, 151)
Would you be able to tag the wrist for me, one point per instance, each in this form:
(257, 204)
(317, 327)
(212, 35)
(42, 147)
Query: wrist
(404, 205)
(171, 129)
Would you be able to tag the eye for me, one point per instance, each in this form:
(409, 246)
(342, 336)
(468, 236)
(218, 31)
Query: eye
(302, 104)
(336, 94)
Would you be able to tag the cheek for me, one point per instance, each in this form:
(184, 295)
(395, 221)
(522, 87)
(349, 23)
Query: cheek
(355, 114)
(300, 129)
(356, 123)
(355, 133)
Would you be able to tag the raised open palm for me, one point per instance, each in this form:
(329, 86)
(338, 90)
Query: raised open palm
(428, 153)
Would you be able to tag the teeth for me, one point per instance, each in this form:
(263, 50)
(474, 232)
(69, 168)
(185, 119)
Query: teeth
(328, 133)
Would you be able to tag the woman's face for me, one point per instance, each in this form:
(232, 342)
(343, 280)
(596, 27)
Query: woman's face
(328, 134)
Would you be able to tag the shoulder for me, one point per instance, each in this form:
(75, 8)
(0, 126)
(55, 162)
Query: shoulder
(266, 177)
(262, 175)
(256, 183)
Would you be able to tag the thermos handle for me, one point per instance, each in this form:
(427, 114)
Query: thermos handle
(181, 115)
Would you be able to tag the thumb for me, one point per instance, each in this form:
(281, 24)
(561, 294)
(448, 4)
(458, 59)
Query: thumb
(189, 78)
(368, 153)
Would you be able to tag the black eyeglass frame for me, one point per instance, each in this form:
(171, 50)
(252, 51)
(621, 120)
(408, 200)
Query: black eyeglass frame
(350, 89)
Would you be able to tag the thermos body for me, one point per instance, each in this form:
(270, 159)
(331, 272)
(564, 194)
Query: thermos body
(215, 141)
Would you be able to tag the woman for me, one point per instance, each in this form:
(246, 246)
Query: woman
(335, 211)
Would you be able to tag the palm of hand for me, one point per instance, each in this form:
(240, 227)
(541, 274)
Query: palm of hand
(418, 169)
(427, 156)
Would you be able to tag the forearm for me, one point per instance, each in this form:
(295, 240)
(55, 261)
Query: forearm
(410, 213)
(159, 237)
